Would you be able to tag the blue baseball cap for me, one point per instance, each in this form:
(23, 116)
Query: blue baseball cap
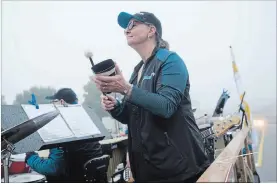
(124, 18)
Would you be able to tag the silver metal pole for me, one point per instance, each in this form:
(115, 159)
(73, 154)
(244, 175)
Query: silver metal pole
(6, 167)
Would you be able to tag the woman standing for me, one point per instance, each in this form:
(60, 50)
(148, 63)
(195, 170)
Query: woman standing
(165, 144)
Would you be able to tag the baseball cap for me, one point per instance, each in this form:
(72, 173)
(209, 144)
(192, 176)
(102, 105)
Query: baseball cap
(124, 18)
(67, 94)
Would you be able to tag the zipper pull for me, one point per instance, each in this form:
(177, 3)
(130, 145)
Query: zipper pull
(167, 138)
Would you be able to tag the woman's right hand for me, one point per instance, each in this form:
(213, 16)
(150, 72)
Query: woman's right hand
(108, 102)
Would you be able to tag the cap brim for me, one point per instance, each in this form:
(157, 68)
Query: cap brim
(50, 97)
(124, 18)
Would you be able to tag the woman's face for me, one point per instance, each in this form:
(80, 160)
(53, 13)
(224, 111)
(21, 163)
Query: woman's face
(137, 32)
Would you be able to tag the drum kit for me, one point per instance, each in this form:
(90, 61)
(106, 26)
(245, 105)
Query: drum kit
(14, 168)
(17, 164)
(26, 178)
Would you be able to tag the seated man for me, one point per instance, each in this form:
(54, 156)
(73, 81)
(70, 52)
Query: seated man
(65, 164)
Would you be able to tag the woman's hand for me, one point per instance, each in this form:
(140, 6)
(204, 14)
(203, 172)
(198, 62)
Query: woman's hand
(108, 102)
(116, 84)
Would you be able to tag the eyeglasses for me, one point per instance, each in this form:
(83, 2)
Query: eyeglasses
(134, 23)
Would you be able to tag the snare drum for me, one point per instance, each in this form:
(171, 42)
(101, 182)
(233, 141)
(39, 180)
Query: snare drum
(26, 178)
(17, 164)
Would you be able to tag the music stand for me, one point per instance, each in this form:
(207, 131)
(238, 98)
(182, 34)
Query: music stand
(72, 126)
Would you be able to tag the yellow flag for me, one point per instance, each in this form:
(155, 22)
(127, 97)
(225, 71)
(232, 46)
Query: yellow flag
(241, 90)
(252, 134)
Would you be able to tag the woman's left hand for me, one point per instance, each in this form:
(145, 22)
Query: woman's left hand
(116, 84)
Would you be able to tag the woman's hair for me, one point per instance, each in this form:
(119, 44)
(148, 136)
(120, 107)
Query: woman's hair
(162, 43)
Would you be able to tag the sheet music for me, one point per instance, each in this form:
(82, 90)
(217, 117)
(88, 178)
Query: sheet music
(78, 120)
(54, 130)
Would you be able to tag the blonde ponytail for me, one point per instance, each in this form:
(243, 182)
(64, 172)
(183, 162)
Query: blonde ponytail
(163, 44)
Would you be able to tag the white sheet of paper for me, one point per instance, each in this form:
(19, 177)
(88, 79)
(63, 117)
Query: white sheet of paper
(78, 120)
(54, 130)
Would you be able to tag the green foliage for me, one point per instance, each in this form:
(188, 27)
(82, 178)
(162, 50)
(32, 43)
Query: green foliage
(92, 99)
(40, 93)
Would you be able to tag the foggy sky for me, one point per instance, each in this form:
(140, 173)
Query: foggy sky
(43, 44)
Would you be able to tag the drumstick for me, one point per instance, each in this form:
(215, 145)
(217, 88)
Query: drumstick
(89, 55)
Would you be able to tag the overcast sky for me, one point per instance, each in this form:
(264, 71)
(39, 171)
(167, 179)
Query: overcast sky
(43, 44)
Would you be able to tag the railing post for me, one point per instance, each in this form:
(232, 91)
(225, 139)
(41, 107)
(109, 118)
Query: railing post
(241, 169)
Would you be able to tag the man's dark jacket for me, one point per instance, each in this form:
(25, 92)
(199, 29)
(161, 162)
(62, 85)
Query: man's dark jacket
(65, 164)
(162, 127)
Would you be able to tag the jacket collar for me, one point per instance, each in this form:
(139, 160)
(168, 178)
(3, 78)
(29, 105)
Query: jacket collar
(139, 65)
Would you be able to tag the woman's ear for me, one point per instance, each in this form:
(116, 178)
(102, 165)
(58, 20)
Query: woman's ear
(152, 32)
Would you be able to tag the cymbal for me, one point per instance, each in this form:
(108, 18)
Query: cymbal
(23, 130)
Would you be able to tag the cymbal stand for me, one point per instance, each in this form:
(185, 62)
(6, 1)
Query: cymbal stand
(5, 156)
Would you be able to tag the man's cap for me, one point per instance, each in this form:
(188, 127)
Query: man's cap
(67, 94)
(124, 18)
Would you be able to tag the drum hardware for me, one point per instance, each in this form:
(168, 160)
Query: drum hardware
(6, 157)
(27, 178)
(13, 135)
